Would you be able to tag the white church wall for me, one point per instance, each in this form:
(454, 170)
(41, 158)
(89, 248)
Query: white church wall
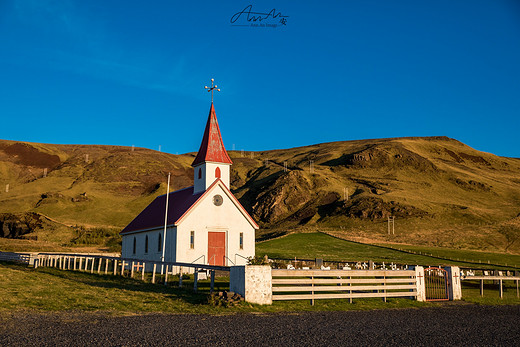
(154, 253)
(207, 217)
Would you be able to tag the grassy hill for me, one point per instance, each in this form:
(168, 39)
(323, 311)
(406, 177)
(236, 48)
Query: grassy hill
(440, 191)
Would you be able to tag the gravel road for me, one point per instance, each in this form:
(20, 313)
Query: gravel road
(467, 325)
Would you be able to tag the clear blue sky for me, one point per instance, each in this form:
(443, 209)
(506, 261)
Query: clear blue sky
(133, 72)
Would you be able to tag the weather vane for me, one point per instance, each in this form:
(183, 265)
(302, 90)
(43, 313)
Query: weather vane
(213, 87)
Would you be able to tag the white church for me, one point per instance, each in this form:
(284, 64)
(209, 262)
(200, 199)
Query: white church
(205, 224)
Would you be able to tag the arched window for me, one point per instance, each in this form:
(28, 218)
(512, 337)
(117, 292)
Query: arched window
(200, 173)
(134, 245)
(217, 172)
(159, 243)
(146, 244)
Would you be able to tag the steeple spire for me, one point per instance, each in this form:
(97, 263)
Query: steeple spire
(212, 147)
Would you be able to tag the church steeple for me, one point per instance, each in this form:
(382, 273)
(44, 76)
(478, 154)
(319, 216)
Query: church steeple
(212, 147)
(212, 160)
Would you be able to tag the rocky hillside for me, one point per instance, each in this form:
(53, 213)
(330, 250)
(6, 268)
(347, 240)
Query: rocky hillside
(440, 191)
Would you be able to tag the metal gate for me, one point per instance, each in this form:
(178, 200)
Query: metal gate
(436, 283)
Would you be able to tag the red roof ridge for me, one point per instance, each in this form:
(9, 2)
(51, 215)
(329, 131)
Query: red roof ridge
(212, 147)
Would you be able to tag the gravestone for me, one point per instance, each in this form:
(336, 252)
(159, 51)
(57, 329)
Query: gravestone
(319, 263)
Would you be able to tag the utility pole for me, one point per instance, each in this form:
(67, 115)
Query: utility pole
(391, 225)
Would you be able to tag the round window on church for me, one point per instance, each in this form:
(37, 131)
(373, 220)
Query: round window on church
(217, 200)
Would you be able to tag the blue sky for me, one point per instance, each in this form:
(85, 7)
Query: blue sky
(133, 72)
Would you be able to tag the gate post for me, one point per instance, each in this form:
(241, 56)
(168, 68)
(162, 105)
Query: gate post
(421, 286)
(253, 282)
(454, 285)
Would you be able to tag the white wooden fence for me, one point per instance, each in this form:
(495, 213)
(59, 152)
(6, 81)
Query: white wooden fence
(16, 257)
(344, 284)
(125, 266)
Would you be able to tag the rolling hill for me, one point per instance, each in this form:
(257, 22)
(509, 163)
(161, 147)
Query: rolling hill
(440, 191)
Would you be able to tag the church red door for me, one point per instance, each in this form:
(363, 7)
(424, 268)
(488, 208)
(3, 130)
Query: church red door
(216, 248)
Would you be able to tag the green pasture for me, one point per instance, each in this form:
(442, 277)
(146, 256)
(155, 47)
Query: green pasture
(319, 245)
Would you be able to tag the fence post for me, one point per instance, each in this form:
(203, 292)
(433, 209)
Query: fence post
(166, 275)
(106, 266)
(153, 272)
(74, 265)
(454, 285)
(195, 279)
(92, 266)
(122, 267)
(419, 280)
(180, 277)
(100, 260)
(384, 287)
(253, 282)
(312, 291)
(350, 291)
(132, 271)
(212, 285)
(142, 271)
(501, 289)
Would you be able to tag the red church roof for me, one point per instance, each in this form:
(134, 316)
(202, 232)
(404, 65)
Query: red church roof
(152, 216)
(212, 147)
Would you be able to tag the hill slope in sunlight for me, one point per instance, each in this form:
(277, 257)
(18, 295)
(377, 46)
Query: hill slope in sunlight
(440, 191)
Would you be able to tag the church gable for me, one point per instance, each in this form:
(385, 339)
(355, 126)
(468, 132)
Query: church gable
(218, 199)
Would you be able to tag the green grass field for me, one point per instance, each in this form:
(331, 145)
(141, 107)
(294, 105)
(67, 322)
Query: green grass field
(319, 245)
(48, 289)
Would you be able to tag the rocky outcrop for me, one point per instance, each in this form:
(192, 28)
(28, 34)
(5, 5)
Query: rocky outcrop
(14, 226)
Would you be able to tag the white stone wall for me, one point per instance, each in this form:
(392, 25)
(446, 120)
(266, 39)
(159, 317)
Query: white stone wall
(207, 217)
(253, 282)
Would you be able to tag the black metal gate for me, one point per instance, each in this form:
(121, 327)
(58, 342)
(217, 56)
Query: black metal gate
(436, 284)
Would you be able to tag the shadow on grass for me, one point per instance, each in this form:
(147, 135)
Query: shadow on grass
(124, 283)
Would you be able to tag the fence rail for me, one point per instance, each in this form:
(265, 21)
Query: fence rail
(342, 284)
(498, 279)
